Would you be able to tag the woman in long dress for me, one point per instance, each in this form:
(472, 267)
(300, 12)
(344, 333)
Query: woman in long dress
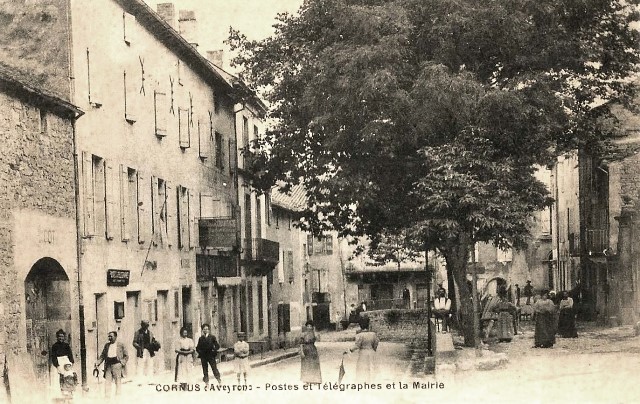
(567, 318)
(309, 360)
(506, 312)
(184, 360)
(545, 312)
(367, 345)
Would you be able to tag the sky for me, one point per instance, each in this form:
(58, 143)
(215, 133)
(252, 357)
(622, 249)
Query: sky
(253, 18)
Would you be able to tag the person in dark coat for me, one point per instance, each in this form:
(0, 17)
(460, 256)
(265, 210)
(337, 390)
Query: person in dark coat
(60, 348)
(545, 315)
(207, 349)
(144, 352)
(528, 292)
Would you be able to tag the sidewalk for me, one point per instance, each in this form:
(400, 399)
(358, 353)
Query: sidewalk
(131, 388)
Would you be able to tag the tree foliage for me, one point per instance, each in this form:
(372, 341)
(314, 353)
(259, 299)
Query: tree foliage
(429, 116)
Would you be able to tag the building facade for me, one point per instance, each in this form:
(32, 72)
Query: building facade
(156, 162)
(37, 224)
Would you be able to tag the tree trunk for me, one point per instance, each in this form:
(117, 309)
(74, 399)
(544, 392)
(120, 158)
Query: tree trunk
(457, 258)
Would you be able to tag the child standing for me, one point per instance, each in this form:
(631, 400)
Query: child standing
(241, 353)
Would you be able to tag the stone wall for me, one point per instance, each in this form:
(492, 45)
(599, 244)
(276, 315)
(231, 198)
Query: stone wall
(34, 39)
(36, 175)
(399, 325)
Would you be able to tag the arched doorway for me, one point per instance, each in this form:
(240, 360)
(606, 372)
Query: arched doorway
(48, 309)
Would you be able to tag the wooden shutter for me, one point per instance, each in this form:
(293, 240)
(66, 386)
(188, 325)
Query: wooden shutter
(328, 248)
(128, 25)
(170, 213)
(281, 266)
(207, 206)
(203, 140)
(111, 210)
(131, 100)
(124, 203)
(143, 206)
(289, 268)
(183, 217)
(184, 128)
(309, 244)
(89, 213)
(193, 219)
(161, 113)
(155, 209)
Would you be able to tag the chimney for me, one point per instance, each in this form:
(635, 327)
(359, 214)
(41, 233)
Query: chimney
(188, 26)
(216, 57)
(167, 12)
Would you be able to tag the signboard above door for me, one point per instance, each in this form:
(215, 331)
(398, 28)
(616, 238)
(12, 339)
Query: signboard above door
(118, 277)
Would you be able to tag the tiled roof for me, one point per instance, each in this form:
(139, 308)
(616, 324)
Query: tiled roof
(27, 87)
(295, 200)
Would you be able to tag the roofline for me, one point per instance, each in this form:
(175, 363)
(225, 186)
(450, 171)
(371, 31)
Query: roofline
(38, 97)
(172, 39)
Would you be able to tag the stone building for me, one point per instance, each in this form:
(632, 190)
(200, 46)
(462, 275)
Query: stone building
(37, 223)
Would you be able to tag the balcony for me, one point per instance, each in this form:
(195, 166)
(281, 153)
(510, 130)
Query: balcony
(218, 233)
(597, 241)
(209, 267)
(260, 255)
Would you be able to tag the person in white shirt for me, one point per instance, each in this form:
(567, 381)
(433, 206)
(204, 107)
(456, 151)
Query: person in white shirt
(241, 351)
(442, 309)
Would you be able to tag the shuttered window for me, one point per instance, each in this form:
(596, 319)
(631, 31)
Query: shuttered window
(112, 199)
(87, 176)
(184, 129)
(131, 98)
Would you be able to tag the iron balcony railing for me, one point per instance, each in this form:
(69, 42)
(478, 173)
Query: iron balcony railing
(261, 250)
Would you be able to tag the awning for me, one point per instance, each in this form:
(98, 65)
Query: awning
(598, 260)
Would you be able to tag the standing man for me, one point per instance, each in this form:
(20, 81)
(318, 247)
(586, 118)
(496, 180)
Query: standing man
(144, 353)
(60, 349)
(114, 355)
(207, 349)
(528, 292)
(442, 309)
(241, 353)
(406, 297)
(517, 295)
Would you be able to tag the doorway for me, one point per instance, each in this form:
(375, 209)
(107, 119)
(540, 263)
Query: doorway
(47, 309)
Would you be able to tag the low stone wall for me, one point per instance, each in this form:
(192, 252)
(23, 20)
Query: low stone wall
(399, 324)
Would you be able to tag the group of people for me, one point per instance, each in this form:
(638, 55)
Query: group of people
(366, 344)
(554, 314)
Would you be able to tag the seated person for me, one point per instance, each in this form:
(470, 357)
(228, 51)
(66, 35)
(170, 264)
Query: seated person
(442, 309)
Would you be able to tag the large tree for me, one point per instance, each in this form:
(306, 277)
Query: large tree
(427, 117)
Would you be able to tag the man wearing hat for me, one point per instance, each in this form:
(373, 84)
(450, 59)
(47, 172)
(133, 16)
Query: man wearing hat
(144, 353)
(241, 353)
(528, 292)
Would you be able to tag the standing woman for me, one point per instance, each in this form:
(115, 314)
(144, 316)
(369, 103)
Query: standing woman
(567, 318)
(506, 312)
(367, 345)
(545, 314)
(184, 360)
(309, 360)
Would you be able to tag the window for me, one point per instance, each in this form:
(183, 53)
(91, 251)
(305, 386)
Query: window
(281, 267)
(99, 194)
(184, 129)
(231, 156)
(219, 150)
(161, 113)
(256, 134)
(328, 244)
(504, 255)
(180, 72)
(250, 307)
(245, 131)
(319, 246)
(128, 25)
(269, 213)
(284, 318)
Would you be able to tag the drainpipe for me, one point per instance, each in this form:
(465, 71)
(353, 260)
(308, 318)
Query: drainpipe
(76, 185)
(557, 204)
